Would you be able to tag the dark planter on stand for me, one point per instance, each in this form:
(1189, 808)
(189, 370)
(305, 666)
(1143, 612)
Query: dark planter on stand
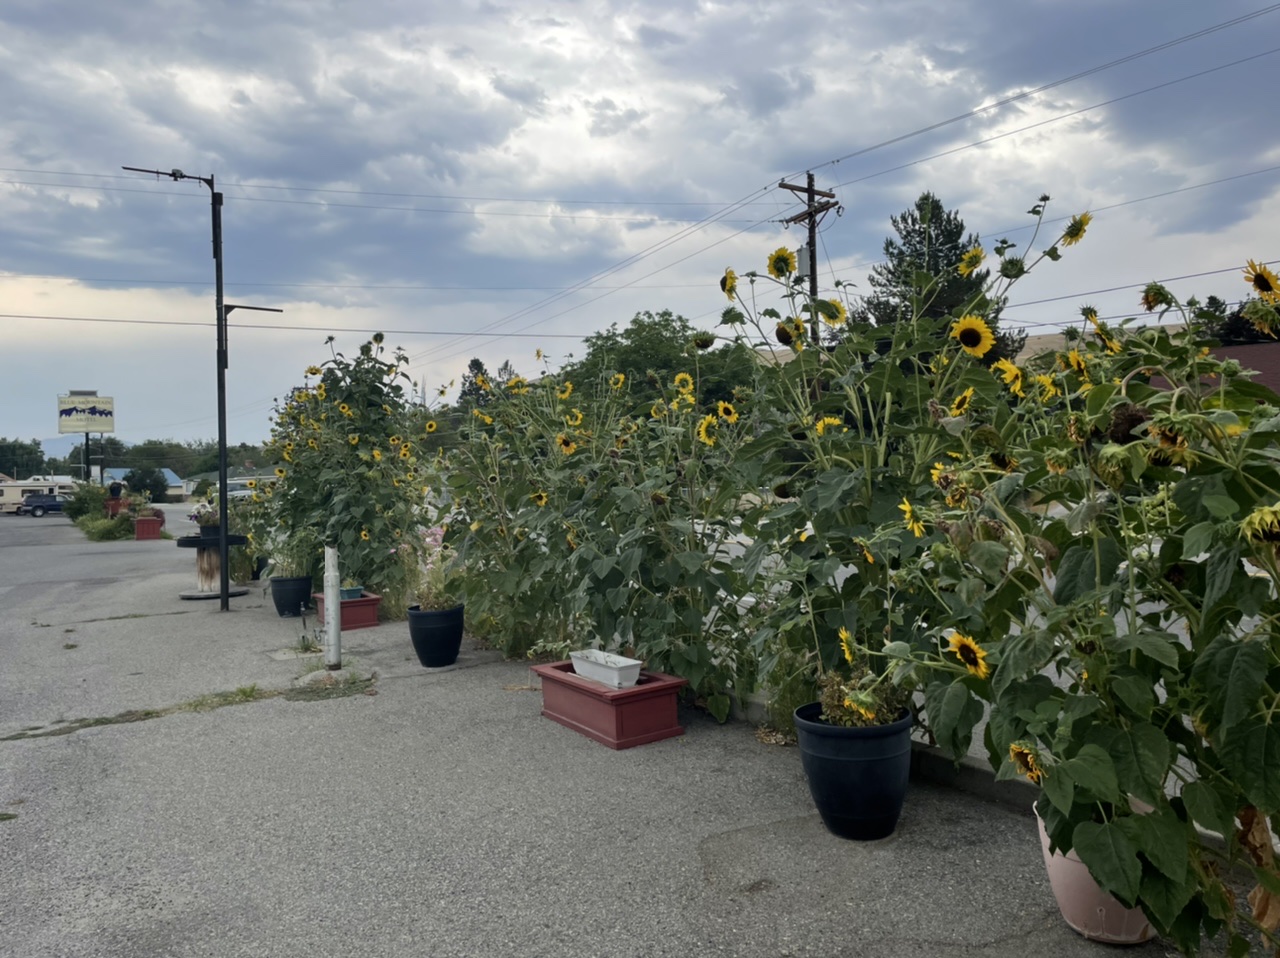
(857, 776)
(209, 532)
(290, 594)
(437, 636)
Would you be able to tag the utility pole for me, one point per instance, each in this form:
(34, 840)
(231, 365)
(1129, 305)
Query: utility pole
(813, 214)
(222, 309)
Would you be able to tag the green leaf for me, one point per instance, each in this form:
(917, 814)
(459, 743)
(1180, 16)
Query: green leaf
(1111, 858)
(718, 705)
(1059, 788)
(1141, 756)
(1221, 507)
(1252, 756)
(1092, 769)
(1019, 654)
(1079, 574)
(1197, 539)
(1232, 673)
(1161, 646)
(1098, 398)
(1136, 693)
(1206, 808)
(989, 558)
(1165, 899)
(1219, 571)
(1162, 837)
(952, 713)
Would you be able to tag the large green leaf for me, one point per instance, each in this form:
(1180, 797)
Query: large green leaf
(1079, 573)
(1232, 674)
(1141, 756)
(1020, 654)
(1092, 768)
(1111, 858)
(1219, 571)
(1252, 755)
(1161, 646)
(1059, 788)
(1162, 837)
(989, 558)
(1165, 899)
(1206, 808)
(952, 712)
(1136, 693)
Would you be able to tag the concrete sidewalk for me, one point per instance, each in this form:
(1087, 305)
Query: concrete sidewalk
(441, 816)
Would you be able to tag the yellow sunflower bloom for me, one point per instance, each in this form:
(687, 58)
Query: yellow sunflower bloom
(313, 370)
(846, 644)
(961, 405)
(657, 410)
(911, 520)
(377, 454)
(825, 422)
(1262, 525)
(574, 418)
(320, 391)
(836, 315)
(1264, 282)
(936, 472)
(431, 426)
(483, 383)
(344, 409)
(705, 427)
(729, 284)
(1075, 230)
(782, 262)
(540, 499)
(567, 445)
(1010, 374)
(354, 439)
(683, 383)
(311, 443)
(565, 391)
(971, 655)
(364, 535)
(617, 381)
(518, 385)
(973, 335)
(727, 412)
(971, 260)
(252, 484)
(1048, 387)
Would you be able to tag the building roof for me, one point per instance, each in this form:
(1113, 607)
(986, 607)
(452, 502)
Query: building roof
(171, 478)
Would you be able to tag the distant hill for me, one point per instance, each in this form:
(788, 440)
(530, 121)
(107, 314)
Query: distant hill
(59, 447)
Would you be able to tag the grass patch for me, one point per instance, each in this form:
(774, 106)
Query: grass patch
(70, 645)
(8, 816)
(205, 703)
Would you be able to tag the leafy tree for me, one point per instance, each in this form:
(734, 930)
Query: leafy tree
(474, 383)
(147, 480)
(921, 269)
(653, 348)
(21, 459)
(1231, 327)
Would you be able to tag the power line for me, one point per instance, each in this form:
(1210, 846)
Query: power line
(1114, 289)
(1049, 86)
(388, 286)
(275, 326)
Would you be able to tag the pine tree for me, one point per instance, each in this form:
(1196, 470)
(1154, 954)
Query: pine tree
(931, 241)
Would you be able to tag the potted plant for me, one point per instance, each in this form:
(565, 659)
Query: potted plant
(205, 515)
(290, 568)
(147, 520)
(358, 612)
(350, 589)
(436, 618)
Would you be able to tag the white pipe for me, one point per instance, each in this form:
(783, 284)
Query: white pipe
(332, 610)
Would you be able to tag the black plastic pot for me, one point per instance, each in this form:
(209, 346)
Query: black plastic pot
(857, 776)
(210, 532)
(437, 636)
(259, 567)
(291, 594)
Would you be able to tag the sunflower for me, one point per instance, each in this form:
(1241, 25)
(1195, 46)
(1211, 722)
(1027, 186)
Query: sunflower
(488, 420)
(574, 418)
(286, 456)
(729, 284)
(1155, 296)
(344, 409)
(971, 260)
(320, 391)
(377, 455)
(312, 444)
(1010, 374)
(971, 654)
(962, 402)
(935, 474)
(1262, 525)
(404, 451)
(1072, 361)
(782, 262)
(540, 499)
(911, 520)
(364, 535)
(354, 439)
(974, 335)
(431, 426)
(820, 425)
(565, 391)
(252, 484)
(1075, 230)
(1265, 319)
(1058, 461)
(475, 526)
(727, 412)
(867, 713)
(705, 435)
(1003, 462)
(1025, 760)
(537, 355)
(1264, 282)
(1048, 388)
(517, 385)
(657, 410)
(313, 370)
(833, 312)
(567, 445)
(866, 552)
(846, 644)
(483, 383)
(394, 441)
(683, 382)
(617, 381)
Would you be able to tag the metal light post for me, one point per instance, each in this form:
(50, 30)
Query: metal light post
(215, 199)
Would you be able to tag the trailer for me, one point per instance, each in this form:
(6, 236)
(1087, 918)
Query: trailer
(13, 492)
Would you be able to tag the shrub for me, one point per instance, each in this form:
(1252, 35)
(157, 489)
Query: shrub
(104, 529)
(87, 500)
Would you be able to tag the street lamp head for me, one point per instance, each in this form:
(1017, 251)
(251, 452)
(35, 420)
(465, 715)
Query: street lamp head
(178, 174)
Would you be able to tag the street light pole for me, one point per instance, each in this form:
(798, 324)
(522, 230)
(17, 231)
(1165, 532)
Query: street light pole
(221, 309)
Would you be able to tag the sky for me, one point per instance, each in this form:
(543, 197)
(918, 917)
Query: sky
(488, 179)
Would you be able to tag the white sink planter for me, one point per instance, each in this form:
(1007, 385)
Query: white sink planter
(615, 671)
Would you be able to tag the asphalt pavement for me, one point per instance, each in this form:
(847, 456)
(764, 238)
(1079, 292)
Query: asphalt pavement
(435, 813)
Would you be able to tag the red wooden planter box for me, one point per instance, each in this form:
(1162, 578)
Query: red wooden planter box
(361, 613)
(147, 527)
(619, 718)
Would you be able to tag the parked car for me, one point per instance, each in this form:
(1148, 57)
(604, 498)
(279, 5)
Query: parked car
(38, 505)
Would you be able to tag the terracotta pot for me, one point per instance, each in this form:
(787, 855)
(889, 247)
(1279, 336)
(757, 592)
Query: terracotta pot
(618, 718)
(1085, 907)
(361, 613)
(147, 527)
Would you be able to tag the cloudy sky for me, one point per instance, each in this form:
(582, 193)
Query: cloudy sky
(487, 179)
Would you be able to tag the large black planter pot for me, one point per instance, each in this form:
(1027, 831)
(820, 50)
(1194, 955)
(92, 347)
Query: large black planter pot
(290, 594)
(857, 776)
(437, 636)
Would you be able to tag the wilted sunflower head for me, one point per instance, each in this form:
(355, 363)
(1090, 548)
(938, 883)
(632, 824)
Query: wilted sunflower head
(1262, 317)
(704, 340)
(1024, 758)
(1262, 525)
(973, 335)
(1155, 296)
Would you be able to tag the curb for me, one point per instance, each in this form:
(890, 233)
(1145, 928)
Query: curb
(931, 765)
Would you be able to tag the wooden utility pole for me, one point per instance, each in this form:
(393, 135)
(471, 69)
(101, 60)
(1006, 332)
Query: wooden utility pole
(812, 214)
